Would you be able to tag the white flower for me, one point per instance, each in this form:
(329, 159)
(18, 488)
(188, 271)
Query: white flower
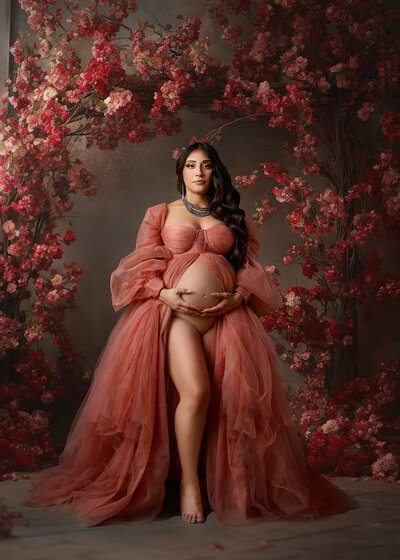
(292, 300)
(49, 92)
(330, 427)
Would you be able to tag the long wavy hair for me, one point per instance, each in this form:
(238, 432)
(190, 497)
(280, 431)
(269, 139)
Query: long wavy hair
(223, 199)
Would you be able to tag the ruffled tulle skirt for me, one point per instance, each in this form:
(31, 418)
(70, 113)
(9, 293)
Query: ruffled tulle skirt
(121, 448)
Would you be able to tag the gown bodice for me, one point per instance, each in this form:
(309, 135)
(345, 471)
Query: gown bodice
(184, 238)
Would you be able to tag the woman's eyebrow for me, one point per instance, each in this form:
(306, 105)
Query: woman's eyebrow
(187, 161)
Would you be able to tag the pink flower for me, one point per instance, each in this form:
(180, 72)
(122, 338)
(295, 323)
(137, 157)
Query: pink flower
(292, 300)
(262, 94)
(33, 333)
(271, 269)
(11, 287)
(323, 84)
(337, 67)
(330, 427)
(177, 152)
(353, 62)
(243, 182)
(384, 465)
(73, 95)
(53, 297)
(347, 340)
(57, 281)
(366, 110)
(10, 229)
(18, 248)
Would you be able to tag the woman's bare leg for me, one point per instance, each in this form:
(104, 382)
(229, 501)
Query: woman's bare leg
(207, 342)
(188, 370)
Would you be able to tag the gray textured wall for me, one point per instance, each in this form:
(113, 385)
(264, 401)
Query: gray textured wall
(134, 177)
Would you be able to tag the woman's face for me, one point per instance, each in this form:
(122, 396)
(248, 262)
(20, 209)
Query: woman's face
(197, 172)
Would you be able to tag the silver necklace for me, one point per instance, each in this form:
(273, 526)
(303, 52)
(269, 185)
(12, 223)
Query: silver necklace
(196, 210)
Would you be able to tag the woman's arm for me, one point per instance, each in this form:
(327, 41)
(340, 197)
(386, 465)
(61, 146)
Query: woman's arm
(139, 275)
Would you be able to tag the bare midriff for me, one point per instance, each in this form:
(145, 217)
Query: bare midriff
(199, 278)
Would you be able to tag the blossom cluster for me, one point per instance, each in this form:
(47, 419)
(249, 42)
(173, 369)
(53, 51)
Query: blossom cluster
(354, 430)
(27, 405)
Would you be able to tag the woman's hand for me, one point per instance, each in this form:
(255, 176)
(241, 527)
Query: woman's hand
(227, 303)
(172, 297)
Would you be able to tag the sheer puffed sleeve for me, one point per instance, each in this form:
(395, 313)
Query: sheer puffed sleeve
(139, 275)
(253, 283)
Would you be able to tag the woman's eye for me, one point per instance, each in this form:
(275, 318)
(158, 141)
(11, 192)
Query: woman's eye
(205, 165)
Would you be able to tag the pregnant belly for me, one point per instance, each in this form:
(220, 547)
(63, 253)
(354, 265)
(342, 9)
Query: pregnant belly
(199, 278)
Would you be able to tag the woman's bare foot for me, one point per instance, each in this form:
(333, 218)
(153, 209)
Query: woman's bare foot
(191, 505)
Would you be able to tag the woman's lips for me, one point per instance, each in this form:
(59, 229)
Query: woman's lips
(199, 181)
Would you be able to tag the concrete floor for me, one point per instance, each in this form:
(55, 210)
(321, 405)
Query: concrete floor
(370, 532)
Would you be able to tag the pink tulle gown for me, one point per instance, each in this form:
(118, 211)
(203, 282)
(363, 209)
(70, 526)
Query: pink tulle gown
(121, 448)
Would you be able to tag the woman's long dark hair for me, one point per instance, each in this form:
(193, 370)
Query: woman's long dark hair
(223, 199)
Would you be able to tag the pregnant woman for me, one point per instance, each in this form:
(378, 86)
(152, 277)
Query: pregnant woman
(188, 386)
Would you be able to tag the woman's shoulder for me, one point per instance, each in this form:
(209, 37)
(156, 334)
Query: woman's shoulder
(177, 202)
(159, 211)
(156, 209)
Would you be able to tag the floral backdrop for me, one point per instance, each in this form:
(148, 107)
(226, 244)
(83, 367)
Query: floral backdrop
(327, 73)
